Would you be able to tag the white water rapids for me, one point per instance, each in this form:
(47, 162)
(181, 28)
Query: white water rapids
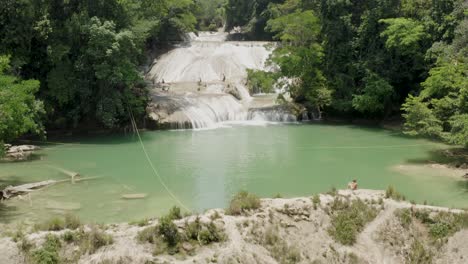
(202, 83)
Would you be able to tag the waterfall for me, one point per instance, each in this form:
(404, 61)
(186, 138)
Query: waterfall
(202, 83)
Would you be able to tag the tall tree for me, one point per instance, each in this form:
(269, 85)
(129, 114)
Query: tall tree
(20, 112)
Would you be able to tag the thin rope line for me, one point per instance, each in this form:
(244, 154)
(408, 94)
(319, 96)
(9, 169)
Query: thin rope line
(153, 167)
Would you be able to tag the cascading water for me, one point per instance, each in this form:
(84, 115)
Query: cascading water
(203, 83)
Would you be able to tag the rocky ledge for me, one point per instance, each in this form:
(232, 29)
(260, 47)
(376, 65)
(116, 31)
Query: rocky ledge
(19, 153)
(362, 226)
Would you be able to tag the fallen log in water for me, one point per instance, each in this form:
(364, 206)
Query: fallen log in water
(72, 174)
(12, 191)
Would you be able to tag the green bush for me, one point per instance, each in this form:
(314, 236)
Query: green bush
(48, 254)
(174, 213)
(391, 193)
(192, 229)
(349, 219)
(168, 230)
(241, 202)
(259, 81)
(70, 237)
(440, 230)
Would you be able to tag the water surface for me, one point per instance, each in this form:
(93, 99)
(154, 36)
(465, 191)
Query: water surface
(205, 168)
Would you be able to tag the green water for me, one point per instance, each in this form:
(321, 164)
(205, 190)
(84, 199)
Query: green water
(205, 168)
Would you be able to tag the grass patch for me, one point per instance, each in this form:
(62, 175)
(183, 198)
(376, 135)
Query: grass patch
(48, 253)
(333, 191)
(443, 224)
(405, 217)
(210, 234)
(316, 201)
(279, 249)
(95, 239)
(167, 238)
(242, 202)
(58, 223)
(391, 193)
(418, 254)
(140, 223)
(440, 225)
(174, 213)
(348, 219)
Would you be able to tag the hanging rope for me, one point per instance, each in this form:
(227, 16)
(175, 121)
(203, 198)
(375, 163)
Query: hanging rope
(132, 119)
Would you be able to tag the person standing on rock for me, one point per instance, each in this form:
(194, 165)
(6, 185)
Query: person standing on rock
(353, 185)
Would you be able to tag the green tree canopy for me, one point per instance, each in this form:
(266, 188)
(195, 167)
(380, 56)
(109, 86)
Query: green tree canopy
(20, 112)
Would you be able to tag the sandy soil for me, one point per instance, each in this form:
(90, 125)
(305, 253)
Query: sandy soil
(299, 228)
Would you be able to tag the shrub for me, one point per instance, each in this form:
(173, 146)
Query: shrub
(440, 230)
(243, 201)
(25, 245)
(168, 230)
(70, 237)
(316, 201)
(393, 194)
(215, 216)
(271, 236)
(96, 239)
(148, 234)
(277, 196)
(192, 229)
(174, 213)
(284, 253)
(349, 220)
(53, 224)
(418, 254)
(48, 254)
(405, 217)
(140, 223)
(72, 221)
(203, 233)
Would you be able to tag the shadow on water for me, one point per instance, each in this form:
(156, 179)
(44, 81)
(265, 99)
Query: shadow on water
(463, 185)
(8, 214)
(455, 157)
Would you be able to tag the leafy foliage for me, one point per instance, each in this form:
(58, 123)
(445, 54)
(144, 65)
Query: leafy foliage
(48, 254)
(260, 81)
(348, 219)
(20, 112)
(86, 54)
(243, 201)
